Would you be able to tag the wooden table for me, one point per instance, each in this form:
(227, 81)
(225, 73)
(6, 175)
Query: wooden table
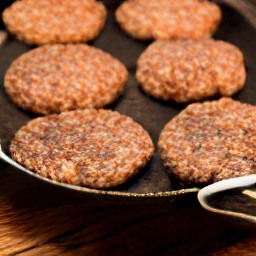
(41, 219)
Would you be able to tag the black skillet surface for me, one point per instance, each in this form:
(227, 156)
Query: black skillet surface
(150, 113)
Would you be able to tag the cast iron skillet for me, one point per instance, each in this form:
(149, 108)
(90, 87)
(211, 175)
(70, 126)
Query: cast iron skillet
(237, 27)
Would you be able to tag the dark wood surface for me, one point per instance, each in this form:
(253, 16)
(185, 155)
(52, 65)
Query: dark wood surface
(41, 219)
(36, 219)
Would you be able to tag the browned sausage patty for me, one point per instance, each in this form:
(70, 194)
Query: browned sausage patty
(55, 21)
(57, 78)
(168, 19)
(92, 148)
(187, 70)
(210, 141)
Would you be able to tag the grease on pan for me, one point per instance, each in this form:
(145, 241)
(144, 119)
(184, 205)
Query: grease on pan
(210, 141)
(3, 37)
(168, 19)
(55, 21)
(91, 148)
(57, 78)
(188, 70)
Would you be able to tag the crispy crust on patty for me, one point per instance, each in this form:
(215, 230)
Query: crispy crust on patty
(55, 21)
(168, 19)
(57, 78)
(188, 70)
(210, 141)
(92, 148)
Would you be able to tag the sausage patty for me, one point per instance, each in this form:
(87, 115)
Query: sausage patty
(210, 141)
(92, 148)
(188, 70)
(55, 21)
(57, 78)
(168, 19)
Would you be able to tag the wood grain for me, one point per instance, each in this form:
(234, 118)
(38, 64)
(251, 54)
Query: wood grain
(38, 219)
